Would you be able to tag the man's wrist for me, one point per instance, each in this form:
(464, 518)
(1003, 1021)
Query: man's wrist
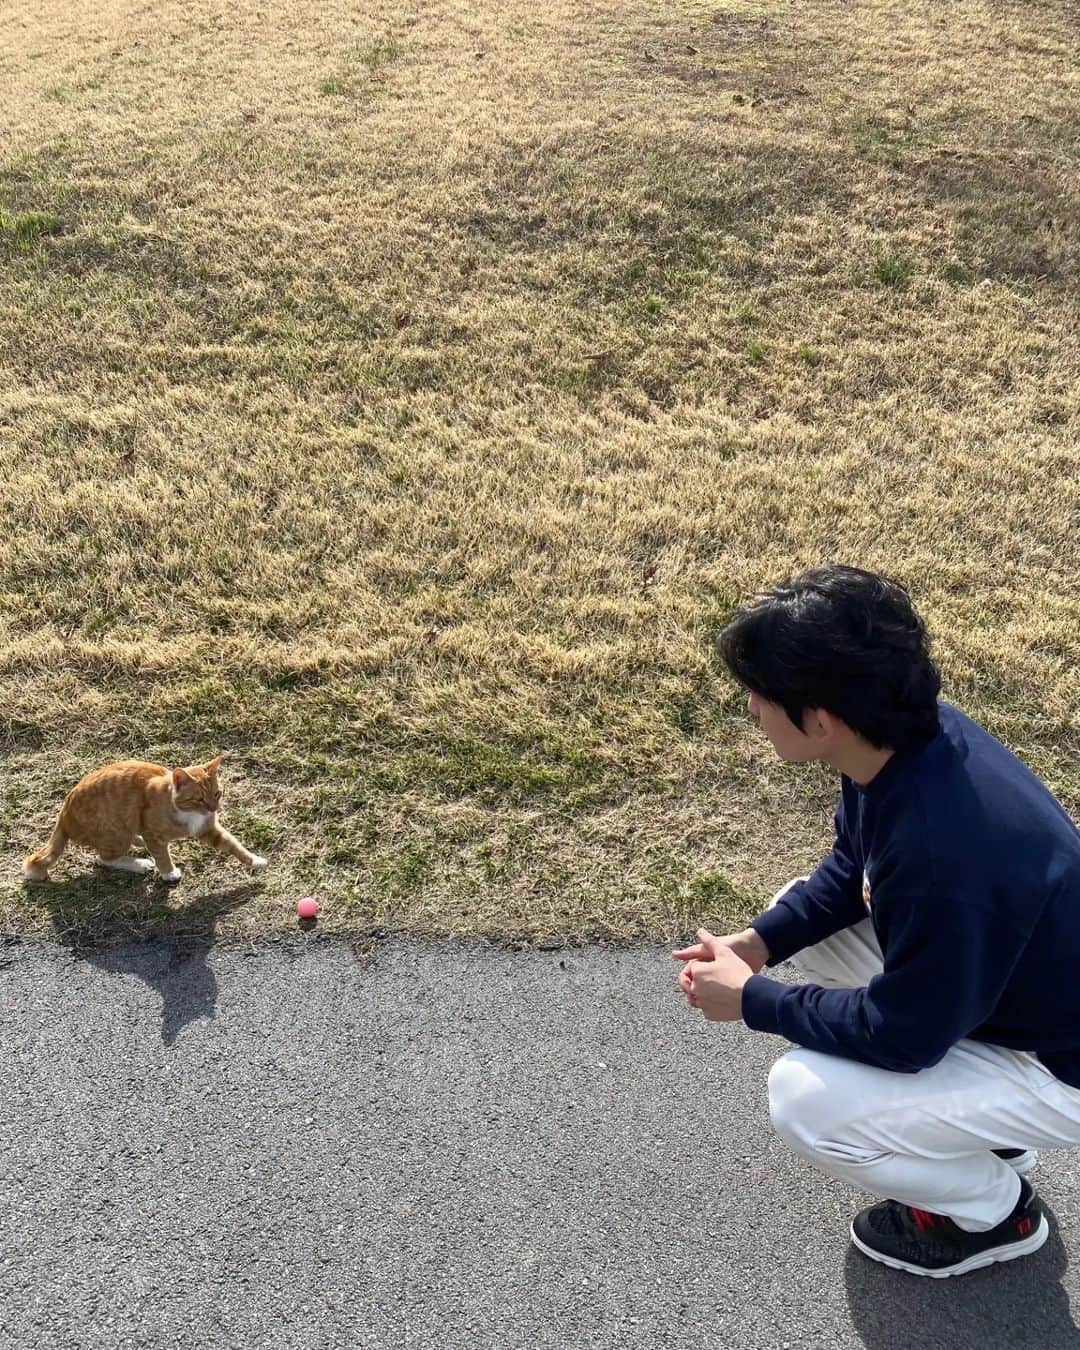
(756, 946)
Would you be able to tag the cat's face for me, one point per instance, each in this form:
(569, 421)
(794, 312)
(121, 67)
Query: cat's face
(197, 788)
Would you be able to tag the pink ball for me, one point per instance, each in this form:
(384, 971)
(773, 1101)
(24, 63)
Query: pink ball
(308, 907)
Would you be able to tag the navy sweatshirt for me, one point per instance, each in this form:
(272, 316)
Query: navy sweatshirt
(970, 871)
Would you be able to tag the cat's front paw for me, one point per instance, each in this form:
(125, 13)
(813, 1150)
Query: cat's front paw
(257, 863)
(171, 877)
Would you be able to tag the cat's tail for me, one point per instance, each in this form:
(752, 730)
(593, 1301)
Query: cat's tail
(36, 867)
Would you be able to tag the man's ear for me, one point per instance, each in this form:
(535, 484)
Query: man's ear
(181, 778)
(820, 725)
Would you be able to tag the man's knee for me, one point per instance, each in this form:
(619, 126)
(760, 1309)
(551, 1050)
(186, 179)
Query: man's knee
(803, 1099)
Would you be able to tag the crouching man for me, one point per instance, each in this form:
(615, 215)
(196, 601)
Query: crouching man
(939, 1024)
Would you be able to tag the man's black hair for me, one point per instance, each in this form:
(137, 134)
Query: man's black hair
(841, 639)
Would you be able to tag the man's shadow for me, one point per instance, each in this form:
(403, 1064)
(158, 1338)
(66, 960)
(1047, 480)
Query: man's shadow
(133, 925)
(1009, 1303)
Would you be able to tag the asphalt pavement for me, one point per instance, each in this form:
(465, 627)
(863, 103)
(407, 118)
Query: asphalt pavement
(301, 1144)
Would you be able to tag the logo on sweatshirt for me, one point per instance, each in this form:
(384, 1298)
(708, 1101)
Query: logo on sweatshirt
(866, 888)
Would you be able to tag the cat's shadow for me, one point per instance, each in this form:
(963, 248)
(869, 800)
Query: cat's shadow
(123, 926)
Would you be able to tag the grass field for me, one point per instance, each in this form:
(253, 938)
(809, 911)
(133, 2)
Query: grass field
(398, 403)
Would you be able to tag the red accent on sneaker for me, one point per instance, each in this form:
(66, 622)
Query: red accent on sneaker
(1023, 1227)
(924, 1219)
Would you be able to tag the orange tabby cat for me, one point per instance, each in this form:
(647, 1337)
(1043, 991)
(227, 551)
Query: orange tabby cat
(121, 804)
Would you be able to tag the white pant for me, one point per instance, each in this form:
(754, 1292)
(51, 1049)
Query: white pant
(924, 1138)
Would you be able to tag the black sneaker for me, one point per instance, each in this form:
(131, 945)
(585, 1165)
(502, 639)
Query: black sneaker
(930, 1244)
(1022, 1160)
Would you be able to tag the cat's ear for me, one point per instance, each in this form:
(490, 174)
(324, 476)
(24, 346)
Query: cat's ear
(212, 767)
(181, 778)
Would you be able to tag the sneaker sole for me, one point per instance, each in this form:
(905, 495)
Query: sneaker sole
(1027, 1162)
(987, 1258)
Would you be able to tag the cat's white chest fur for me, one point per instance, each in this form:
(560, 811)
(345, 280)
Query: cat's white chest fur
(193, 823)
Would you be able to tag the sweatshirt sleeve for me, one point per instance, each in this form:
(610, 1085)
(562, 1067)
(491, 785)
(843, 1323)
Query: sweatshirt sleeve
(824, 903)
(947, 964)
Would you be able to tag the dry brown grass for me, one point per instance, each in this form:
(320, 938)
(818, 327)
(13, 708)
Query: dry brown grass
(399, 403)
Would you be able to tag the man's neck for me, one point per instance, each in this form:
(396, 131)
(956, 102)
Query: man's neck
(859, 760)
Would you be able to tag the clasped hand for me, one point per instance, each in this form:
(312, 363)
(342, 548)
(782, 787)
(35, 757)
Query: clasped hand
(714, 974)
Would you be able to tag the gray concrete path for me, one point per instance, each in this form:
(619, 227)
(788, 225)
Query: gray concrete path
(437, 1146)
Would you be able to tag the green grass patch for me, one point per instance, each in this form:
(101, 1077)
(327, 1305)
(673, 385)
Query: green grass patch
(695, 898)
(380, 53)
(21, 230)
(894, 269)
(957, 275)
(687, 717)
(405, 872)
(714, 893)
(257, 832)
(513, 771)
